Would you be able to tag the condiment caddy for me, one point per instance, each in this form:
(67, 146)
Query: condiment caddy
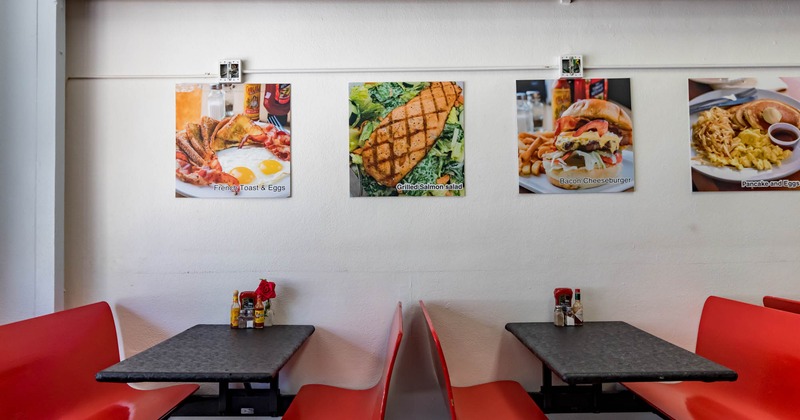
(567, 312)
(247, 310)
(253, 309)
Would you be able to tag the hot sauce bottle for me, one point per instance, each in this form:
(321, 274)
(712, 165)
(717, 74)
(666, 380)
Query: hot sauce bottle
(562, 98)
(259, 313)
(235, 309)
(577, 308)
(252, 109)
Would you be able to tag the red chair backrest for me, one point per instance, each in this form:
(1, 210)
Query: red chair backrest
(760, 344)
(439, 363)
(783, 304)
(381, 389)
(54, 358)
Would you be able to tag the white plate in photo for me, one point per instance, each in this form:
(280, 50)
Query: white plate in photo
(540, 184)
(722, 83)
(196, 191)
(729, 173)
(270, 181)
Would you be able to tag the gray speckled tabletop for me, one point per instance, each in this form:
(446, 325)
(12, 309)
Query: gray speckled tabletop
(213, 353)
(601, 352)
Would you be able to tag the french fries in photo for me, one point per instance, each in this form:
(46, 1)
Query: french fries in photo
(536, 168)
(531, 147)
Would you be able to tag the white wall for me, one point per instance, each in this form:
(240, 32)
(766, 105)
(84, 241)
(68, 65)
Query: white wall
(16, 218)
(17, 228)
(649, 258)
(31, 162)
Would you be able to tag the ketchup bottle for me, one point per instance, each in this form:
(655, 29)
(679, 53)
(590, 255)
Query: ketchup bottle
(579, 90)
(277, 101)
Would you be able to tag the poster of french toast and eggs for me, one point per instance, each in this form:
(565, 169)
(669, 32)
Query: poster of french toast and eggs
(233, 140)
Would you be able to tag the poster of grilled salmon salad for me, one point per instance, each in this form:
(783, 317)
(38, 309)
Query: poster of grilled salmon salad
(744, 133)
(406, 139)
(574, 136)
(233, 140)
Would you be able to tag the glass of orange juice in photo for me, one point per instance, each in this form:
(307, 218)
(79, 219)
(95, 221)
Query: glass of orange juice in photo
(188, 104)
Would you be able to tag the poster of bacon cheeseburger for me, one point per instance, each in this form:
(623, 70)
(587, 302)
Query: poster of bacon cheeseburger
(232, 140)
(744, 133)
(580, 139)
(406, 139)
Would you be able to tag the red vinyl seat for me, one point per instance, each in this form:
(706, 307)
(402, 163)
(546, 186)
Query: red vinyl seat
(505, 400)
(760, 344)
(325, 402)
(48, 366)
(782, 304)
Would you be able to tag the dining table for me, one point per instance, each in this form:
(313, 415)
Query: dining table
(220, 354)
(606, 352)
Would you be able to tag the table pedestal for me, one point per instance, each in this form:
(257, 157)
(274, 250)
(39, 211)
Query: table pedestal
(249, 400)
(585, 398)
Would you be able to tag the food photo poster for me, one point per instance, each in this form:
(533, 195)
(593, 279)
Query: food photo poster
(744, 133)
(233, 140)
(406, 139)
(574, 136)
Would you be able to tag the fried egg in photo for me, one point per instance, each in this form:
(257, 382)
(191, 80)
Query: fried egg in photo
(254, 166)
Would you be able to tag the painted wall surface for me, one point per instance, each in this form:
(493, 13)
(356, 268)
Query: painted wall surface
(18, 160)
(31, 208)
(649, 258)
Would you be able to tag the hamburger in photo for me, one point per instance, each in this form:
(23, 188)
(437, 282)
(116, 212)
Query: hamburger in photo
(590, 136)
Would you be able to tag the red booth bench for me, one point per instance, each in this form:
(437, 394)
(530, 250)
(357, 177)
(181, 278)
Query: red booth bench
(48, 366)
(505, 400)
(761, 344)
(783, 304)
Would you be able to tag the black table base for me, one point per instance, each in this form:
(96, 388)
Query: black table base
(249, 400)
(589, 399)
(246, 401)
(585, 398)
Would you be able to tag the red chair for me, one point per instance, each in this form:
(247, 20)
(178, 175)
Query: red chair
(48, 366)
(324, 402)
(760, 344)
(505, 400)
(783, 304)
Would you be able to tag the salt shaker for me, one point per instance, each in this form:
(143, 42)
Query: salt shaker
(216, 102)
(524, 115)
(558, 316)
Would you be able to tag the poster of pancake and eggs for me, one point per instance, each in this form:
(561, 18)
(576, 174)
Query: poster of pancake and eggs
(744, 133)
(233, 140)
(406, 139)
(574, 136)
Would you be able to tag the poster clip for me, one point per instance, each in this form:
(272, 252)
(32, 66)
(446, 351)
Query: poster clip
(230, 71)
(571, 66)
